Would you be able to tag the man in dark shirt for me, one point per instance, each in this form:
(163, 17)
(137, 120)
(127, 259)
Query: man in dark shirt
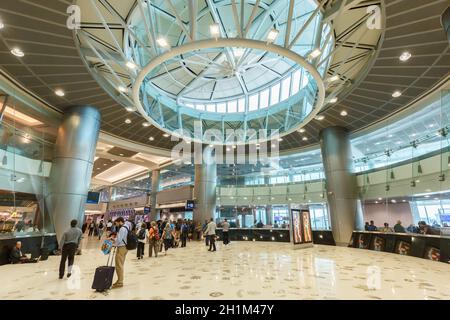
(372, 226)
(399, 228)
(16, 255)
(68, 244)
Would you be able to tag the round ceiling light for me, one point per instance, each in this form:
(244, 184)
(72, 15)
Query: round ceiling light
(17, 52)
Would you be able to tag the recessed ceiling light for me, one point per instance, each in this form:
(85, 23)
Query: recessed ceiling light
(162, 42)
(320, 118)
(273, 34)
(127, 121)
(301, 130)
(396, 94)
(17, 52)
(60, 93)
(228, 149)
(334, 100)
(280, 139)
(234, 147)
(131, 65)
(214, 30)
(334, 78)
(122, 89)
(2, 25)
(130, 109)
(380, 199)
(121, 154)
(376, 201)
(166, 135)
(305, 138)
(151, 138)
(405, 56)
(344, 113)
(315, 53)
(146, 124)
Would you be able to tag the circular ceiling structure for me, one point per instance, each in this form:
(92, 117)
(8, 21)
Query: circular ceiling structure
(197, 70)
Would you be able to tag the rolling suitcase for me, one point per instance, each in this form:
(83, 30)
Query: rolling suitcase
(104, 275)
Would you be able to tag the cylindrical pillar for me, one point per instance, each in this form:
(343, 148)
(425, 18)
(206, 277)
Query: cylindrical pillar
(341, 183)
(205, 187)
(156, 174)
(72, 165)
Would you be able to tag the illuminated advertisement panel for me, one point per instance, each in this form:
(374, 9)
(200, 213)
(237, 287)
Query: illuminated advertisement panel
(301, 226)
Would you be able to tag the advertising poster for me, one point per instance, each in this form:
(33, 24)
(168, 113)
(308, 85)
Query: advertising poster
(306, 226)
(297, 227)
(301, 226)
(403, 248)
(379, 244)
(433, 253)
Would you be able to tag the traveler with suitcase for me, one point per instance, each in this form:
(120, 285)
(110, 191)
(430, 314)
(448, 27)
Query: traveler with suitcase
(104, 275)
(125, 240)
(68, 245)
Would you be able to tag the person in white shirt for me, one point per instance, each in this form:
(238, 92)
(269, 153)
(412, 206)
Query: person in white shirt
(225, 232)
(211, 233)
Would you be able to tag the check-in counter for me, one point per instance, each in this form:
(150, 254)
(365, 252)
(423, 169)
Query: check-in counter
(273, 234)
(432, 247)
(31, 244)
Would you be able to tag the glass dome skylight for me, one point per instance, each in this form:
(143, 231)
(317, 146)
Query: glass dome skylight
(256, 65)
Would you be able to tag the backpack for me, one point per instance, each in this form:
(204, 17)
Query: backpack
(141, 235)
(155, 233)
(131, 240)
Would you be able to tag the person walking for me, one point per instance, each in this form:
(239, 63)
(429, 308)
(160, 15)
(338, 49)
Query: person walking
(91, 228)
(153, 239)
(122, 228)
(167, 237)
(184, 233)
(109, 225)
(226, 232)
(101, 227)
(204, 227)
(142, 237)
(211, 233)
(69, 243)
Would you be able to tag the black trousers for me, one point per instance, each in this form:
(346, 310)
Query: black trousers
(226, 237)
(212, 243)
(68, 253)
(207, 240)
(183, 240)
(91, 231)
(140, 249)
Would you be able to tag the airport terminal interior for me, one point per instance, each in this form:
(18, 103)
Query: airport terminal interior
(258, 149)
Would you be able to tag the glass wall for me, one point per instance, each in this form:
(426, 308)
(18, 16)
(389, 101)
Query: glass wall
(404, 169)
(26, 148)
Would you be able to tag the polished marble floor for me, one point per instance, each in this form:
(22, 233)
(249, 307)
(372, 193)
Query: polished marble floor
(242, 270)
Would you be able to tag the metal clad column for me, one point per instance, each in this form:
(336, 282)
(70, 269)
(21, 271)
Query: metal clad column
(156, 174)
(72, 165)
(341, 183)
(205, 188)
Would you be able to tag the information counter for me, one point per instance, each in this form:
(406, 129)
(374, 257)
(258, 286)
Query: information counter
(275, 234)
(436, 248)
(31, 244)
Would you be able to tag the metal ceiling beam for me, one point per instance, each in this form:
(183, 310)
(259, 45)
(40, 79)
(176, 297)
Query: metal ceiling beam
(289, 23)
(179, 20)
(310, 19)
(236, 18)
(193, 10)
(250, 20)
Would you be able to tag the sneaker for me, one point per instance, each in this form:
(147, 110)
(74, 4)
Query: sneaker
(60, 277)
(68, 275)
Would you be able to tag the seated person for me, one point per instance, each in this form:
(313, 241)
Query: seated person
(386, 228)
(17, 256)
(372, 226)
(424, 228)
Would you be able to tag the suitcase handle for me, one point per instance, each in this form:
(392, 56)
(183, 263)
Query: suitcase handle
(109, 256)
